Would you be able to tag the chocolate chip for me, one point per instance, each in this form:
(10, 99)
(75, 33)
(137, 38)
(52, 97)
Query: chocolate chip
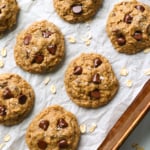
(95, 94)
(38, 59)
(77, 9)
(46, 34)
(78, 70)
(128, 19)
(61, 123)
(121, 40)
(138, 35)
(44, 124)
(22, 99)
(63, 144)
(7, 94)
(148, 29)
(27, 39)
(140, 7)
(42, 145)
(96, 78)
(2, 110)
(97, 62)
(51, 49)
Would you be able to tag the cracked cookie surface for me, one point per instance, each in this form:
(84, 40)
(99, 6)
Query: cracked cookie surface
(90, 81)
(16, 99)
(128, 26)
(53, 129)
(39, 48)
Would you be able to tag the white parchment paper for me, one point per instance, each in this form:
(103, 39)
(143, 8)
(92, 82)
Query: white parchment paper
(105, 117)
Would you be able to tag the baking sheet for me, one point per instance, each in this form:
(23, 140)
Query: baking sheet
(104, 117)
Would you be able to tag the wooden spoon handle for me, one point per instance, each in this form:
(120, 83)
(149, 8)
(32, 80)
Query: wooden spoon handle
(128, 121)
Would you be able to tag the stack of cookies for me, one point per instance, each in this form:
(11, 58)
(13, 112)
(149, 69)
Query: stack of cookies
(89, 80)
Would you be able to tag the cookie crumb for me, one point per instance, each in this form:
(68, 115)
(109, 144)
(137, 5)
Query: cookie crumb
(147, 50)
(53, 89)
(3, 52)
(6, 138)
(83, 128)
(71, 39)
(123, 72)
(147, 72)
(2, 145)
(1, 64)
(129, 83)
(93, 127)
(46, 80)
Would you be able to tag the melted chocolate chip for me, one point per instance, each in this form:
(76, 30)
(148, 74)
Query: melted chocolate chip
(128, 19)
(77, 9)
(51, 49)
(121, 40)
(27, 39)
(44, 124)
(138, 35)
(22, 99)
(148, 29)
(46, 34)
(140, 7)
(7, 94)
(2, 110)
(97, 62)
(42, 144)
(61, 123)
(63, 144)
(78, 70)
(95, 94)
(96, 78)
(38, 59)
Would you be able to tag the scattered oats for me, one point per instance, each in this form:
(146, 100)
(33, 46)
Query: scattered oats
(92, 128)
(83, 128)
(147, 50)
(129, 83)
(123, 72)
(3, 52)
(2, 145)
(71, 39)
(89, 35)
(6, 138)
(87, 42)
(46, 80)
(53, 89)
(147, 72)
(1, 64)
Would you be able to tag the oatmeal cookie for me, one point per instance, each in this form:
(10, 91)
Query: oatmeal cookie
(90, 81)
(77, 11)
(128, 26)
(8, 14)
(16, 99)
(53, 129)
(40, 48)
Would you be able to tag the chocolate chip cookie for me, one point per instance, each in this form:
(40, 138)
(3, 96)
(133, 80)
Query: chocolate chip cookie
(90, 81)
(40, 48)
(128, 26)
(16, 99)
(8, 14)
(53, 129)
(77, 11)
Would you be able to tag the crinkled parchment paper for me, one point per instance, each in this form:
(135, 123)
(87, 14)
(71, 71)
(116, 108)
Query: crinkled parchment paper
(104, 117)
